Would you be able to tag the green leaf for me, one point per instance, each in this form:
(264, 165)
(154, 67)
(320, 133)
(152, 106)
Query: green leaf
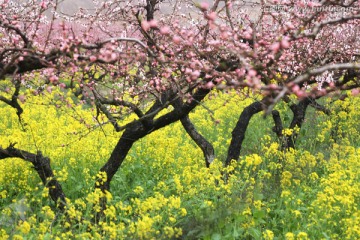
(216, 236)
(258, 214)
(255, 233)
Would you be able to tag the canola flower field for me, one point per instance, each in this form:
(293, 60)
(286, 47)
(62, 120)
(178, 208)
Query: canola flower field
(163, 189)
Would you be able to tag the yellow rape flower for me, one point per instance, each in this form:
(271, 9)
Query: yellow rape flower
(183, 212)
(24, 227)
(138, 190)
(169, 231)
(3, 194)
(289, 236)
(302, 236)
(286, 179)
(253, 159)
(287, 131)
(48, 212)
(110, 212)
(313, 176)
(257, 204)
(17, 237)
(268, 235)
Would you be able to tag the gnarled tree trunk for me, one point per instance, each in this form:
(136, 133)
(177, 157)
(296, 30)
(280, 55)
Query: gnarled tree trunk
(128, 138)
(42, 166)
(299, 111)
(203, 144)
(238, 134)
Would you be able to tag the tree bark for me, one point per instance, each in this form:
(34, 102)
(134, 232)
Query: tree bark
(238, 134)
(278, 129)
(203, 144)
(299, 112)
(130, 135)
(42, 166)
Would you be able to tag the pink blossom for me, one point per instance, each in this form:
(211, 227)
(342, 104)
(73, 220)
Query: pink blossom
(15, 40)
(285, 43)
(300, 94)
(165, 30)
(188, 71)
(311, 4)
(215, 42)
(289, 25)
(275, 47)
(54, 79)
(272, 86)
(295, 88)
(145, 25)
(247, 35)
(240, 72)
(355, 92)
(209, 85)
(43, 4)
(113, 56)
(211, 16)
(93, 58)
(153, 23)
(195, 75)
(252, 73)
(22, 98)
(49, 89)
(224, 35)
(176, 39)
(204, 6)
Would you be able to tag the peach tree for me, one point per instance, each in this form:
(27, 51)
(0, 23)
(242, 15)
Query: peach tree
(143, 57)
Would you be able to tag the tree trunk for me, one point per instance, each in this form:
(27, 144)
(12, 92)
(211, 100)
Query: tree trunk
(238, 134)
(299, 111)
(130, 135)
(278, 129)
(203, 144)
(42, 166)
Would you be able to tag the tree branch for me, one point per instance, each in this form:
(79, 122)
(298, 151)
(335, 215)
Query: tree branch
(201, 142)
(18, 31)
(117, 39)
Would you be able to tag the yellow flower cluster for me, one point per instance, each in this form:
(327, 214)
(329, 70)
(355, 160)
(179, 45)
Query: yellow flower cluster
(164, 190)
